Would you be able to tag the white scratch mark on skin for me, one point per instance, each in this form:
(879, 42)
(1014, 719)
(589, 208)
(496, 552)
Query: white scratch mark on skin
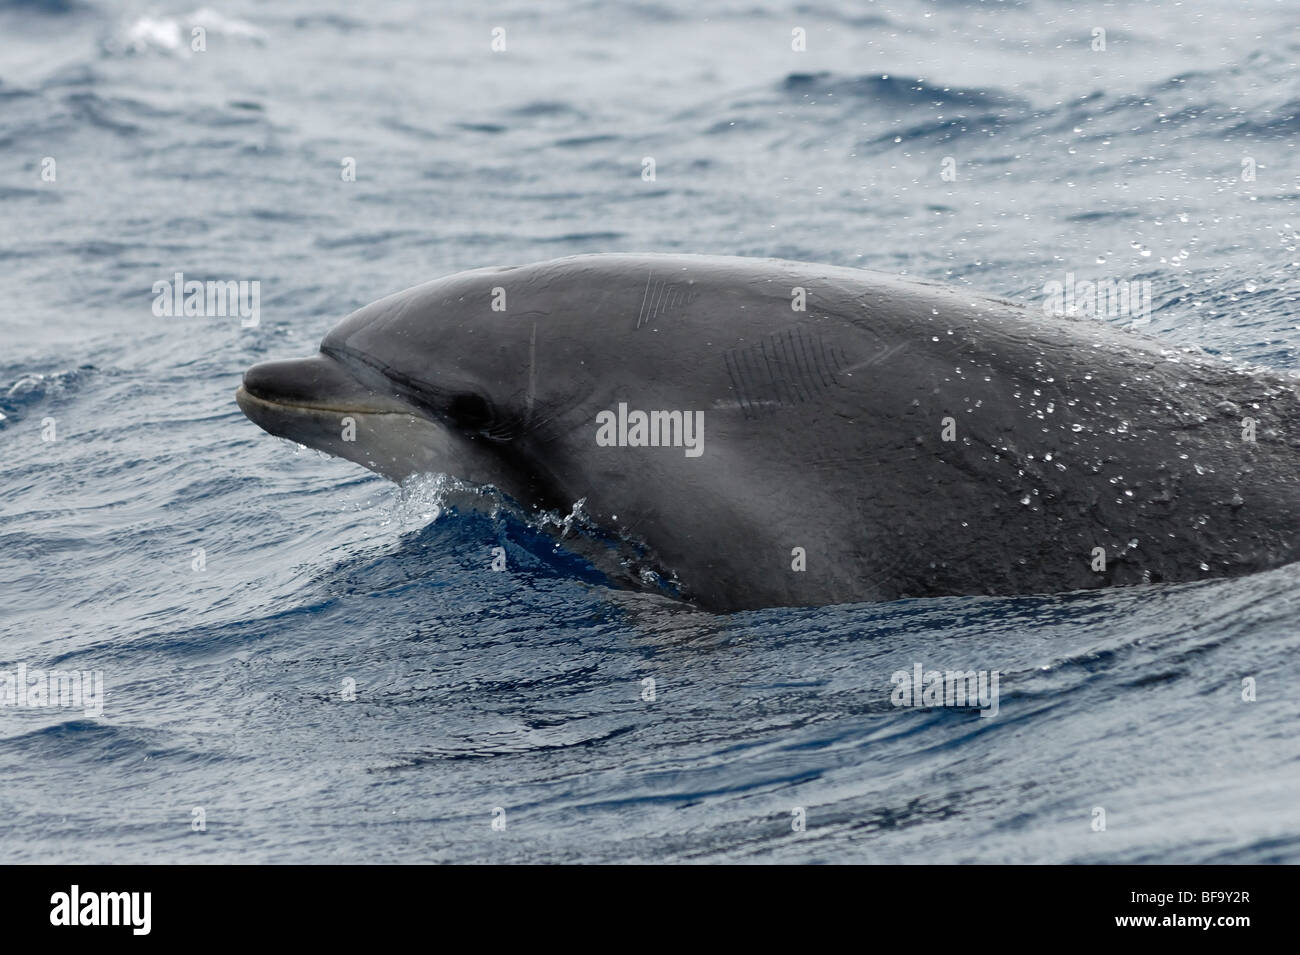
(722, 404)
(885, 353)
(532, 370)
(659, 297)
(644, 296)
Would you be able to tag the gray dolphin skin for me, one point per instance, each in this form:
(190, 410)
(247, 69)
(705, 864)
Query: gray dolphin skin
(894, 438)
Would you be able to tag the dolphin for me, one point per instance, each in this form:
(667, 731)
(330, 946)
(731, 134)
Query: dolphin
(773, 433)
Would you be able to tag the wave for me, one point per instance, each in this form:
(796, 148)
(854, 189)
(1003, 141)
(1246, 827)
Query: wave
(31, 389)
(895, 91)
(52, 7)
(176, 35)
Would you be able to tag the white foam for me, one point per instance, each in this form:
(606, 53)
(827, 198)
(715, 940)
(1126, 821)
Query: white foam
(173, 34)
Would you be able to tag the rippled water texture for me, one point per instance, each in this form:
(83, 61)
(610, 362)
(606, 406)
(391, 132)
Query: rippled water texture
(524, 690)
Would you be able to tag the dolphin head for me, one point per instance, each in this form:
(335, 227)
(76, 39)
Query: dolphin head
(430, 380)
(510, 377)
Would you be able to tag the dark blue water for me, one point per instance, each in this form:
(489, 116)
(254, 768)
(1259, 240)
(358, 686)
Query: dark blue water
(523, 691)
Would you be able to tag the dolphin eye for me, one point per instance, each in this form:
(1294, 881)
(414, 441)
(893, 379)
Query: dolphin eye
(470, 411)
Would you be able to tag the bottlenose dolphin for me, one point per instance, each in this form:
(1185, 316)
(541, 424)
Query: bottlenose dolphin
(780, 433)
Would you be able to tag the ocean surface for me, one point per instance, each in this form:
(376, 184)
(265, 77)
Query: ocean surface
(304, 663)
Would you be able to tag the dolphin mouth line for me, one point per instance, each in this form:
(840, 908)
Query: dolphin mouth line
(242, 393)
